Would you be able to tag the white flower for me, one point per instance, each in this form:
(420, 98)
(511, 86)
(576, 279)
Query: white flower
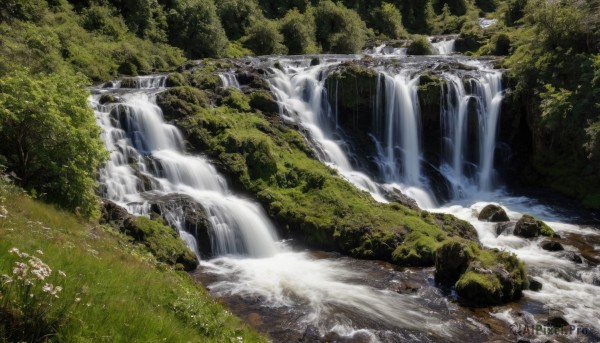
(20, 270)
(48, 288)
(40, 269)
(39, 252)
(77, 300)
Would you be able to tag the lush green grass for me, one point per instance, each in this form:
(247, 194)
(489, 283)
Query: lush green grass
(125, 294)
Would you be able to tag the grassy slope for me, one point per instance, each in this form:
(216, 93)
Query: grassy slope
(125, 295)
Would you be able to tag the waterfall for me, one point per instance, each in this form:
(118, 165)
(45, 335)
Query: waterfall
(229, 80)
(444, 47)
(485, 90)
(144, 147)
(302, 97)
(384, 50)
(397, 126)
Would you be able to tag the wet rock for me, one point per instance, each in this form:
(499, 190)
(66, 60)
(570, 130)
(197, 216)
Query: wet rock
(451, 261)
(572, 256)
(311, 335)
(551, 246)
(112, 213)
(180, 102)
(504, 228)
(264, 102)
(396, 195)
(315, 62)
(129, 83)
(109, 99)
(557, 322)
(109, 84)
(493, 213)
(529, 227)
(534, 285)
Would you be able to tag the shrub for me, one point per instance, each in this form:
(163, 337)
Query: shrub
(102, 20)
(299, 32)
(419, 46)
(263, 38)
(388, 21)
(237, 15)
(50, 137)
(339, 29)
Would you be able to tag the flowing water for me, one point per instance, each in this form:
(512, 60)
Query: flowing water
(294, 294)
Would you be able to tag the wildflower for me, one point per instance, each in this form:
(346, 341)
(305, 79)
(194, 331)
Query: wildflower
(77, 300)
(61, 273)
(48, 288)
(40, 269)
(6, 278)
(20, 270)
(39, 252)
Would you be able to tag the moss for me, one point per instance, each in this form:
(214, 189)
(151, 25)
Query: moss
(264, 102)
(205, 78)
(162, 241)
(235, 99)
(529, 227)
(478, 288)
(181, 101)
(176, 80)
(420, 46)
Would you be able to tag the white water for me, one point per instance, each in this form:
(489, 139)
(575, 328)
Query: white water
(444, 47)
(486, 91)
(384, 50)
(568, 287)
(229, 80)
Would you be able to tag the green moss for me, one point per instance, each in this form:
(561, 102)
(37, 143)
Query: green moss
(477, 288)
(205, 78)
(183, 101)
(264, 102)
(420, 46)
(236, 100)
(162, 241)
(176, 80)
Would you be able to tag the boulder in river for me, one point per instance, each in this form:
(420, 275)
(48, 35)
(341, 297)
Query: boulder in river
(493, 213)
(530, 227)
(551, 245)
(534, 285)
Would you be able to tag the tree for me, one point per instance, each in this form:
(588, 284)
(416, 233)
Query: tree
(237, 15)
(339, 29)
(388, 21)
(194, 26)
(50, 138)
(263, 38)
(299, 32)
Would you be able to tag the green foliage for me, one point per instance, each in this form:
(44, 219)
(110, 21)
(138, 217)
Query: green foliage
(29, 10)
(50, 137)
(387, 20)
(103, 20)
(194, 26)
(487, 5)
(236, 99)
(181, 101)
(237, 16)
(456, 7)
(263, 38)
(514, 11)
(299, 32)
(116, 289)
(339, 29)
(420, 46)
(237, 50)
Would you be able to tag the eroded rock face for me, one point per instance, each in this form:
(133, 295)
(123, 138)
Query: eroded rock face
(493, 213)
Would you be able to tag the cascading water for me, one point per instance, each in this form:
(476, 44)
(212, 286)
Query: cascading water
(486, 92)
(444, 47)
(229, 80)
(148, 162)
(384, 50)
(302, 97)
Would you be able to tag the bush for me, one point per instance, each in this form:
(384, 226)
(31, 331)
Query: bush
(339, 29)
(388, 21)
(51, 140)
(299, 32)
(263, 38)
(102, 20)
(237, 15)
(194, 26)
(419, 46)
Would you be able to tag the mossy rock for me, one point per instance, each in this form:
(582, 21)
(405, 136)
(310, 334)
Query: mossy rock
(530, 227)
(264, 102)
(181, 102)
(479, 289)
(109, 99)
(420, 46)
(493, 213)
(176, 80)
(162, 241)
(451, 260)
(205, 78)
(235, 99)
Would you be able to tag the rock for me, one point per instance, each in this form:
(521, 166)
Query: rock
(109, 99)
(264, 102)
(175, 80)
(551, 246)
(493, 213)
(534, 285)
(557, 322)
(505, 227)
(181, 102)
(311, 335)
(113, 213)
(451, 261)
(529, 227)
(315, 62)
(396, 195)
(109, 84)
(572, 256)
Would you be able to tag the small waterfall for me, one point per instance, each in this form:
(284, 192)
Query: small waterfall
(302, 97)
(444, 47)
(486, 91)
(229, 80)
(397, 117)
(148, 161)
(384, 50)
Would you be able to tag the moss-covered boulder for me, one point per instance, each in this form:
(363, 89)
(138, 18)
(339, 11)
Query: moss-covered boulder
(493, 213)
(183, 101)
(205, 78)
(420, 46)
(264, 102)
(109, 99)
(530, 227)
(481, 277)
(176, 80)
(160, 240)
(235, 99)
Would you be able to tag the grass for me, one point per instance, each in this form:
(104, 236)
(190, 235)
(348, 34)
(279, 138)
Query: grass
(125, 294)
